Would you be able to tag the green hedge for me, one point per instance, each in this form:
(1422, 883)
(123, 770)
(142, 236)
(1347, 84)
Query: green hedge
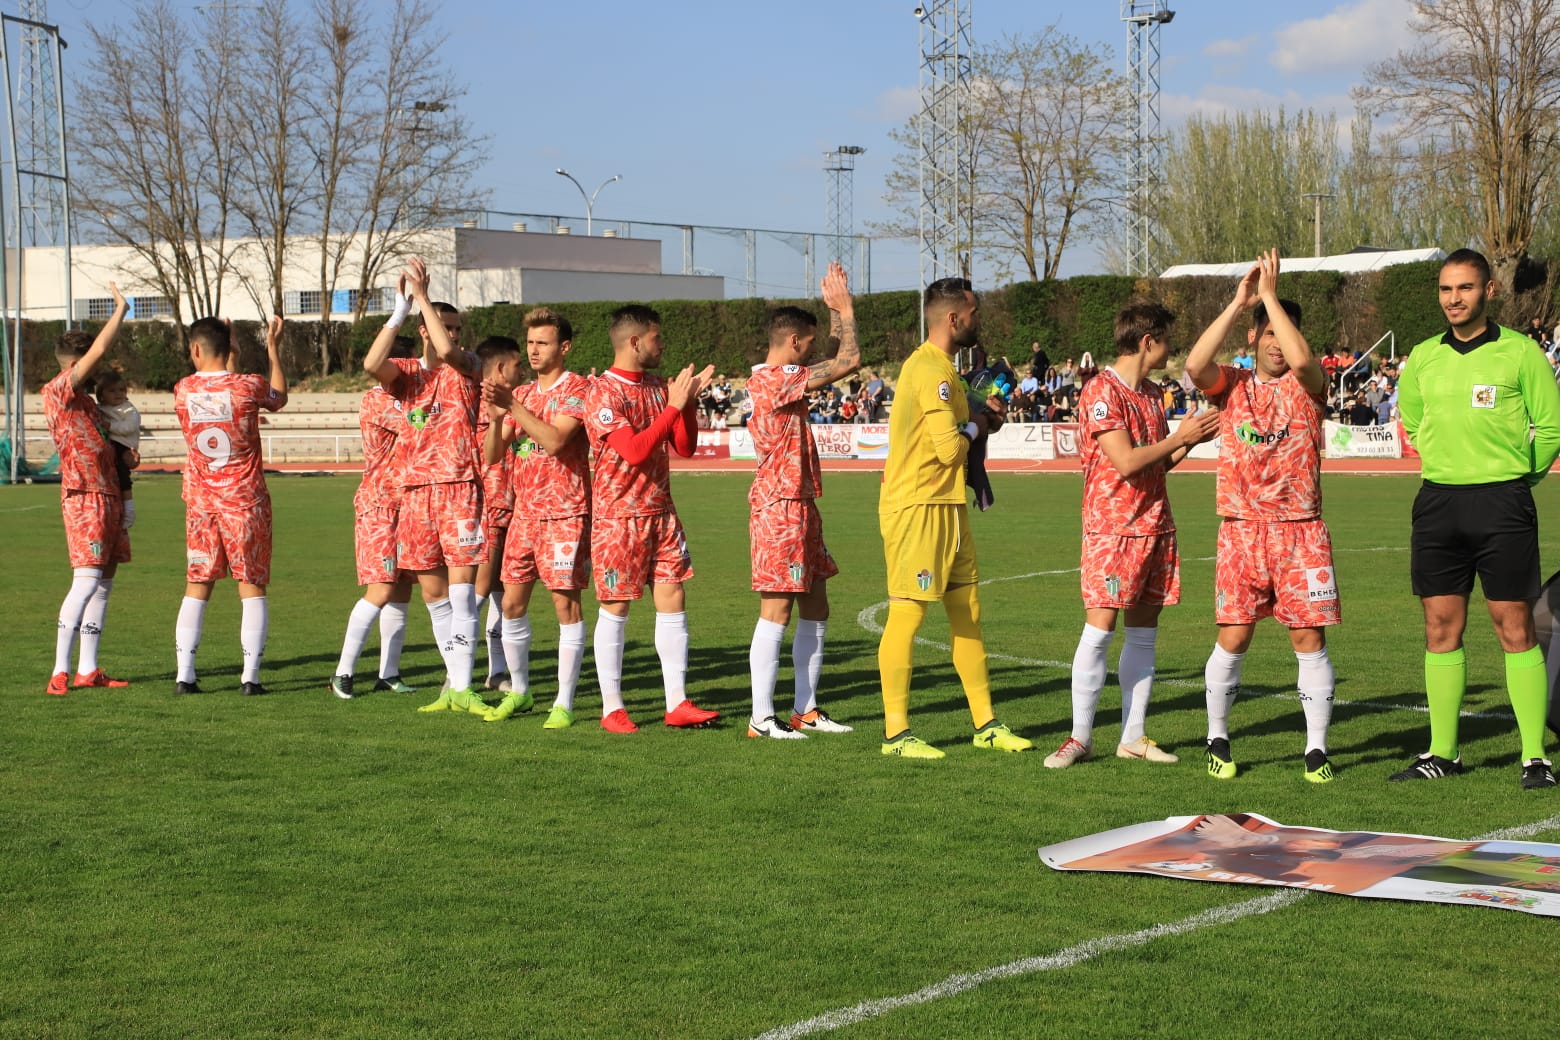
(1066, 317)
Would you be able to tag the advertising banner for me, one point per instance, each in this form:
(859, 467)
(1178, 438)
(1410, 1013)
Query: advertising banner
(1362, 442)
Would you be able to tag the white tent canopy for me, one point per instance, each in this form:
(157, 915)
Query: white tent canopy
(1367, 260)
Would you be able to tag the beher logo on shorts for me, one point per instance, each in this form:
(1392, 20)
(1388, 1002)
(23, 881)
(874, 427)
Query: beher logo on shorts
(944, 391)
(468, 533)
(1320, 584)
(609, 578)
(1483, 396)
(1113, 586)
(923, 577)
(563, 556)
(795, 570)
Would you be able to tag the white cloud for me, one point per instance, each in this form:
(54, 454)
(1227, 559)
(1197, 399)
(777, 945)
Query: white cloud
(1219, 100)
(893, 106)
(1229, 48)
(1351, 36)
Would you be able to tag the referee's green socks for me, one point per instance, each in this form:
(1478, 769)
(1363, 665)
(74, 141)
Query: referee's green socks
(1527, 684)
(1446, 679)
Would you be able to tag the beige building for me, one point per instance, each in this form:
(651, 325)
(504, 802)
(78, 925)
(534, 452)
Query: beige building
(470, 267)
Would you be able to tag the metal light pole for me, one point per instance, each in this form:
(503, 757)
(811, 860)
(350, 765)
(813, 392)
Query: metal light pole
(1317, 197)
(590, 200)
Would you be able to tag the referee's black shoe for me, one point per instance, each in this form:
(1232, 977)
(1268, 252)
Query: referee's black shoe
(1430, 767)
(1537, 773)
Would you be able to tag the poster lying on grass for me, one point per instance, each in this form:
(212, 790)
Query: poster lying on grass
(1247, 849)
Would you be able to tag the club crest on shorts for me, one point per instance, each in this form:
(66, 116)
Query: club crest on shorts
(923, 577)
(609, 578)
(388, 562)
(795, 571)
(1113, 586)
(1483, 396)
(96, 547)
(944, 391)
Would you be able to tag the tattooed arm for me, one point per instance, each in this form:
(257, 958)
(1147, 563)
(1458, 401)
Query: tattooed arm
(842, 327)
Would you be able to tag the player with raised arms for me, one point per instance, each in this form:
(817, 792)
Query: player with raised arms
(542, 426)
(1130, 562)
(227, 506)
(633, 418)
(925, 522)
(96, 539)
(1274, 551)
(791, 564)
(439, 533)
(498, 507)
(387, 586)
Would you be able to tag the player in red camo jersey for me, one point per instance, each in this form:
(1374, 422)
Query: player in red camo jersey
(1274, 553)
(439, 533)
(791, 565)
(227, 507)
(387, 586)
(631, 416)
(1130, 562)
(500, 356)
(90, 502)
(541, 426)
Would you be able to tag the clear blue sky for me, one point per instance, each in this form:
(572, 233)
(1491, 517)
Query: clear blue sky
(719, 112)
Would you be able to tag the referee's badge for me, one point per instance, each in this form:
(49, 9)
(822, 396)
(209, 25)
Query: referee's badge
(1483, 396)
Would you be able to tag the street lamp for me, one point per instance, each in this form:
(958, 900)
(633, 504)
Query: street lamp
(590, 200)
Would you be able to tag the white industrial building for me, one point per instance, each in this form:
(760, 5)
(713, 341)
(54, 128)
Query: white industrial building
(470, 267)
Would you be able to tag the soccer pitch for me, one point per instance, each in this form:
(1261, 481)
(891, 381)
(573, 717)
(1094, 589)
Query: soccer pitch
(301, 866)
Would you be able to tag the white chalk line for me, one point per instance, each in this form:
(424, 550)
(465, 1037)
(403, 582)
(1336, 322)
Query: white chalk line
(1081, 952)
(29, 509)
(869, 615)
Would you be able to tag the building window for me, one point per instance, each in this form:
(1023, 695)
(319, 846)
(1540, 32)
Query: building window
(150, 307)
(376, 300)
(97, 309)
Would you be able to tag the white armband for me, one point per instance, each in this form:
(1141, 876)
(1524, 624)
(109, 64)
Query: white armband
(403, 307)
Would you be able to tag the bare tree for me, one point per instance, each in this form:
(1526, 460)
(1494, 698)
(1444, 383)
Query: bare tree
(152, 165)
(1481, 80)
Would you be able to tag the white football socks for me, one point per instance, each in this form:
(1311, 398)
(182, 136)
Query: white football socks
(92, 626)
(571, 652)
(186, 636)
(83, 584)
(359, 624)
(610, 638)
(516, 644)
(495, 633)
(392, 636)
(764, 665)
(1088, 679)
(807, 658)
(671, 645)
(463, 635)
(1221, 676)
(1135, 669)
(1316, 696)
(253, 626)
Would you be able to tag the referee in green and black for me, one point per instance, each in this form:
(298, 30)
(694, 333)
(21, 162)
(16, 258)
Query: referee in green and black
(1481, 405)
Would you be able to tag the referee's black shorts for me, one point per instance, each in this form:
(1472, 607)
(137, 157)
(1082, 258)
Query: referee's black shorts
(1463, 529)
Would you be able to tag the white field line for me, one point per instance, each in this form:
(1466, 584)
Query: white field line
(869, 619)
(1084, 951)
(28, 509)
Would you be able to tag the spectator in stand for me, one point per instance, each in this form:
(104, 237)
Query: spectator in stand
(1039, 361)
(872, 389)
(1087, 369)
(1022, 404)
(1062, 404)
(848, 410)
(1066, 374)
(1384, 409)
(1244, 360)
(1042, 405)
(1051, 380)
(1360, 413)
(720, 401)
(1374, 394)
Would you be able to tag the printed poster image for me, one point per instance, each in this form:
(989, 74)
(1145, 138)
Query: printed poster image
(1248, 849)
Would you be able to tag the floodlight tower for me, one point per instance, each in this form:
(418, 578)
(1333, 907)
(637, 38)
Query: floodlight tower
(840, 165)
(38, 133)
(946, 210)
(1143, 18)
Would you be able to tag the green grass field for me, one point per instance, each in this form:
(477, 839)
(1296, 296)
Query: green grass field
(300, 866)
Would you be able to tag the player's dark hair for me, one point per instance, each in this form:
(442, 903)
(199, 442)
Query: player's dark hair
(213, 337)
(493, 348)
(633, 315)
(786, 321)
(1141, 318)
(546, 317)
(1259, 317)
(946, 292)
(1469, 258)
(72, 345)
(440, 307)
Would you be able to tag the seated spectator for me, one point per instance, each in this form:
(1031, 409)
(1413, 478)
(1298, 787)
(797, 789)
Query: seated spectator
(1066, 373)
(1243, 359)
(1041, 409)
(1052, 380)
(874, 389)
(1360, 413)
